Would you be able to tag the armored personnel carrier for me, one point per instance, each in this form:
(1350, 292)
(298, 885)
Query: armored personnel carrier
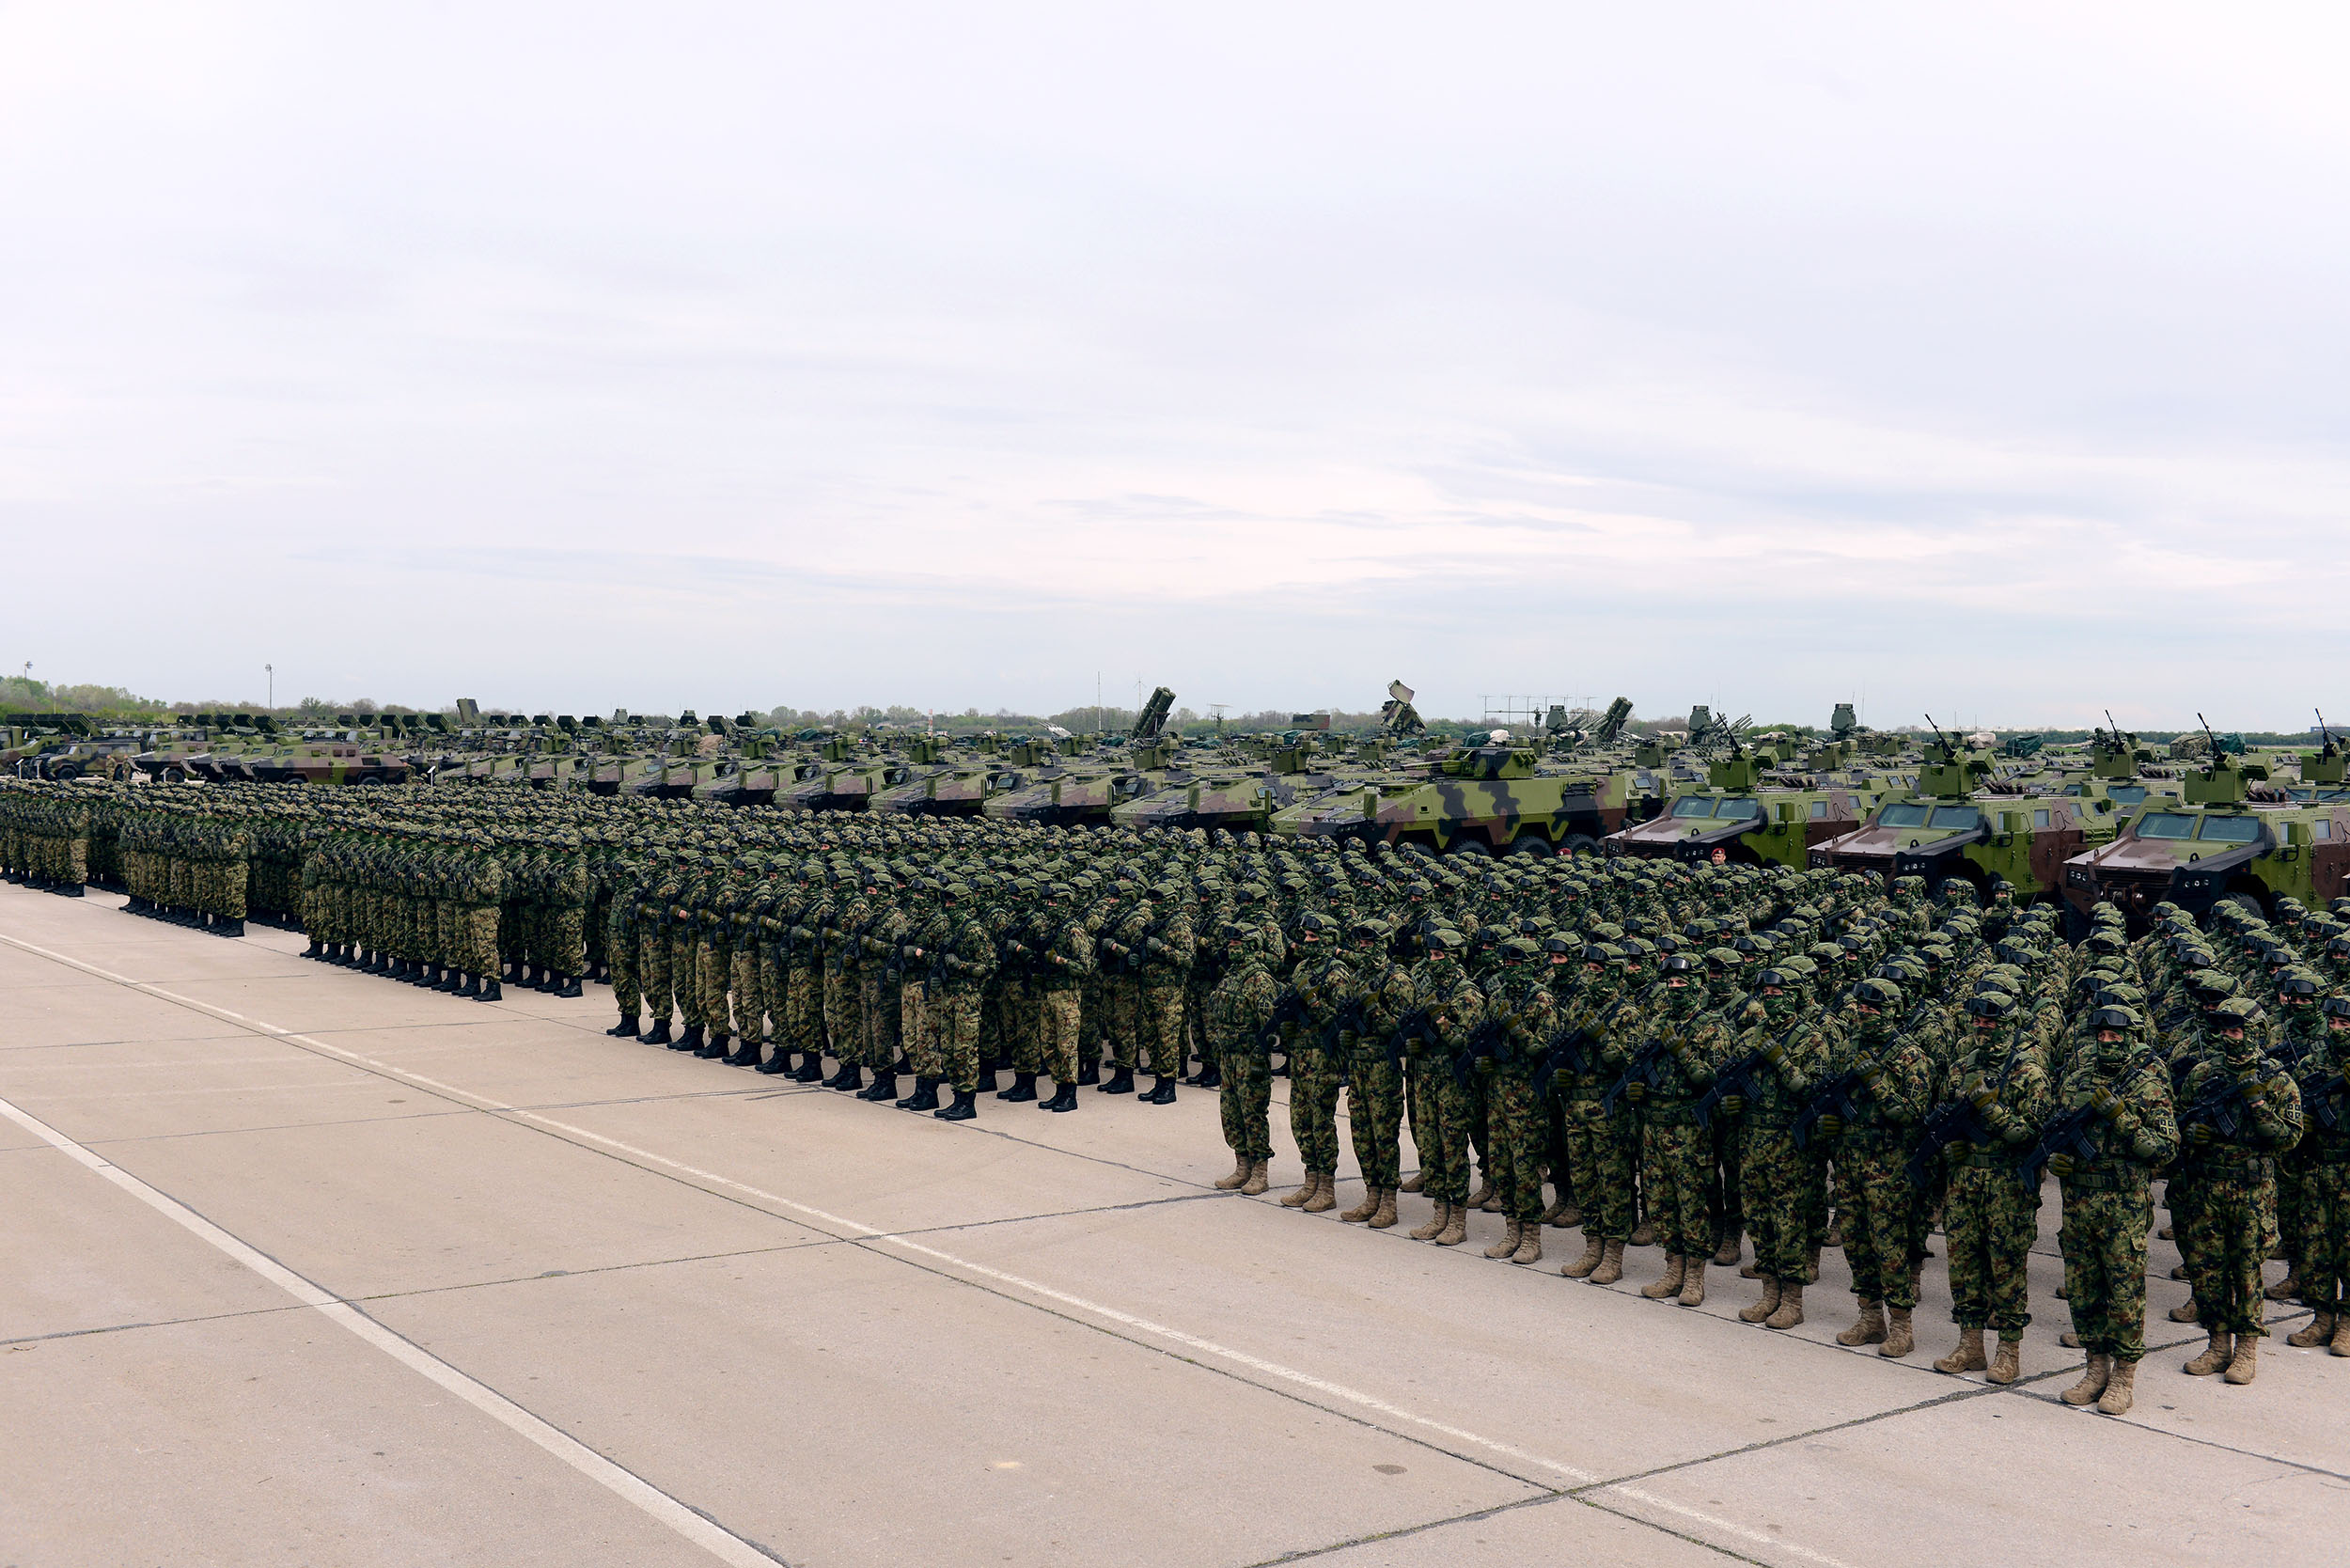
(1739, 816)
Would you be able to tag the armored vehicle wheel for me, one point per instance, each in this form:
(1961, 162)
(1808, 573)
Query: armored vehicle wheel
(66, 772)
(1475, 847)
(1578, 844)
(1529, 843)
(2248, 902)
(175, 776)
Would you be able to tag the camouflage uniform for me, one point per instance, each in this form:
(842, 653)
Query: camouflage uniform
(2234, 1181)
(1374, 1093)
(2109, 1204)
(1326, 986)
(1873, 1155)
(1238, 1011)
(1456, 1007)
(1991, 1218)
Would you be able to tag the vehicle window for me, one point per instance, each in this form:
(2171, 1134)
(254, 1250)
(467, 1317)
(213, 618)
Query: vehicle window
(1739, 810)
(1819, 809)
(2166, 824)
(2073, 790)
(2040, 818)
(1902, 816)
(1693, 806)
(2230, 830)
(2128, 794)
(2322, 829)
(1964, 819)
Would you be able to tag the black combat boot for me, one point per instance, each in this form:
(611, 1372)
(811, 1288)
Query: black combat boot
(316, 949)
(1121, 1081)
(811, 1068)
(472, 987)
(884, 1087)
(746, 1054)
(848, 1077)
(660, 1035)
(716, 1048)
(451, 981)
(625, 1028)
(925, 1095)
(1090, 1073)
(491, 992)
(904, 1065)
(569, 988)
(548, 982)
(776, 1065)
(1023, 1088)
(690, 1041)
(1064, 1099)
(1162, 1094)
(1211, 1074)
(987, 1079)
(964, 1109)
(227, 928)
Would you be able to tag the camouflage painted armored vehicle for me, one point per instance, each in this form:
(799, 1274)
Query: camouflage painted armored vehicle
(2232, 838)
(331, 762)
(1073, 796)
(1481, 799)
(1740, 818)
(1236, 801)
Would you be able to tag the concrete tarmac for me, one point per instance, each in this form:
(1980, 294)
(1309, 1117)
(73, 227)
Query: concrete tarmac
(301, 1266)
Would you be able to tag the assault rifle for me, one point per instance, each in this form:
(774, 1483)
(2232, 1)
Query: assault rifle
(2320, 1100)
(1837, 1096)
(2072, 1133)
(1950, 1122)
(1287, 1008)
(1485, 1040)
(2220, 1108)
(1566, 1052)
(1419, 1024)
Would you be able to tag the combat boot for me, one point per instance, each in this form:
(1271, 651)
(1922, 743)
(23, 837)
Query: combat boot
(1121, 1081)
(925, 1095)
(1790, 1311)
(811, 1068)
(965, 1107)
(714, 1048)
(1260, 1178)
(2246, 1364)
(690, 1041)
(1212, 1074)
(1610, 1265)
(316, 949)
(2185, 1311)
(2007, 1362)
(1455, 1229)
(1644, 1233)
(569, 988)
(1090, 1074)
(1834, 1231)
(1670, 1282)
(1483, 1197)
(2340, 1345)
(490, 991)
(2287, 1289)
(775, 1066)
(1064, 1099)
(1242, 1164)
(1550, 1216)
(546, 981)
(986, 1083)
(1570, 1216)
(849, 1077)
(1967, 1357)
(2319, 1332)
(451, 981)
(1581, 1267)
(1296, 1199)
(2094, 1376)
(1021, 1090)
(1899, 1340)
(1364, 1210)
(627, 1025)
(2215, 1359)
(1529, 1243)
(1438, 1217)
(1869, 1331)
(1693, 1280)
(1757, 1312)
(2121, 1388)
(1383, 1218)
(1415, 1181)
(473, 993)
(1732, 1248)
(1326, 1196)
(1162, 1094)
(747, 1054)
(1512, 1231)
(884, 1087)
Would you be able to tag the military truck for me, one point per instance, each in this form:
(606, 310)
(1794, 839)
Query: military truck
(1747, 819)
(2220, 844)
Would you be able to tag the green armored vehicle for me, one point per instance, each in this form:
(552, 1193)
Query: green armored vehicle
(2231, 839)
(329, 762)
(1236, 801)
(1740, 817)
(1496, 797)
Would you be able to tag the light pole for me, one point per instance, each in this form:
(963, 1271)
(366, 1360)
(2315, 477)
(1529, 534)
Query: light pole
(273, 686)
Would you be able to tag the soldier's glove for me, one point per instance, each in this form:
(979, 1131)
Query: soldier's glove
(2143, 1146)
(1978, 1093)
(2104, 1103)
(2060, 1164)
(2201, 1134)
(1636, 1092)
(1733, 1105)
(1831, 1126)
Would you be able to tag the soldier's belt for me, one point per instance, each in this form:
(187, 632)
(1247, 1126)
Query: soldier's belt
(2094, 1181)
(1676, 1113)
(2258, 1167)
(1989, 1159)
(1870, 1138)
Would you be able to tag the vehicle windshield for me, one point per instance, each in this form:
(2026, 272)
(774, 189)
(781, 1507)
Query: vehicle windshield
(1964, 819)
(2166, 824)
(2230, 830)
(2128, 794)
(1902, 816)
(1739, 810)
(1693, 806)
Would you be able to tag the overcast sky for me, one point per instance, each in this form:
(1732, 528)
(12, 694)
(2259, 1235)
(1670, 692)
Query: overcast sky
(1987, 362)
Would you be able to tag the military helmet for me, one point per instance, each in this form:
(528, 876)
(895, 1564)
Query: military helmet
(2234, 1013)
(2115, 1017)
(1880, 993)
(1990, 1004)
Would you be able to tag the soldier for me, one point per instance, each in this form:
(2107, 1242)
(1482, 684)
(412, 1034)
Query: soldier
(2326, 1186)
(1455, 1008)
(1991, 1219)
(1325, 986)
(964, 965)
(1521, 1016)
(1240, 1012)
(1759, 1094)
(1602, 1141)
(1375, 1075)
(1163, 960)
(1672, 1064)
(1068, 961)
(1874, 1093)
(2235, 1112)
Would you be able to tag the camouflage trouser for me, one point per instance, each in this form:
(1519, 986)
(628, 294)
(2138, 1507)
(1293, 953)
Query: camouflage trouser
(451, 940)
(2229, 1221)
(1314, 1108)
(1159, 1019)
(2104, 1268)
(750, 997)
(880, 998)
(1728, 1192)
(1245, 1100)
(774, 983)
(954, 1019)
(1196, 991)
(1477, 1097)
(1600, 1151)
(1023, 1040)
(803, 1021)
(1093, 1013)
(1782, 1191)
(1677, 1178)
(1058, 1021)
(1374, 1115)
(844, 1026)
(685, 977)
(653, 974)
(480, 953)
(567, 940)
(2285, 1232)
(2325, 1252)
(713, 969)
(1122, 1001)
(1514, 1144)
(1876, 1222)
(1992, 1223)
(917, 1029)
(234, 875)
(620, 945)
(1439, 1112)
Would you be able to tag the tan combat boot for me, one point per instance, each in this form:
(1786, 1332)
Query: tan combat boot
(1415, 1182)
(2094, 1377)
(2287, 1289)
(1481, 1195)
(2069, 1340)
(1693, 1280)
(1455, 1229)
(1581, 1268)
(1530, 1245)
(1899, 1342)
(1731, 1250)
(1382, 1217)
(1644, 1233)
(1512, 1231)
(2007, 1363)
(1296, 1199)
(2341, 1334)
(2185, 1311)
(1967, 1357)
(1570, 1216)
(2246, 1364)
(1241, 1168)
(1260, 1178)
(2320, 1331)
(2121, 1388)
(1790, 1306)
(1325, 1196)
(1869, 1331)
(1764, 1307)
(1670, 1283)
(1364, 1210)
(1610, 1265)
(1434, 1227)
(1550, 1216)
(2215, 1357)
